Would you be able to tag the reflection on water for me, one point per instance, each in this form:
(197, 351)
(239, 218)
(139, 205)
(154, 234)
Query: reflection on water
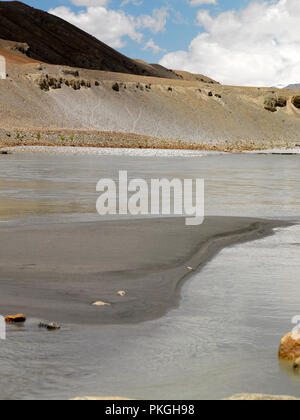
(223, 338)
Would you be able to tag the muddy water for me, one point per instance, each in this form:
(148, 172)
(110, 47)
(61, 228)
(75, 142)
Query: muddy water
(41, 187)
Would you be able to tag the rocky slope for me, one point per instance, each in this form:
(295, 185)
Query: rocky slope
(293, 86)
(38, 96)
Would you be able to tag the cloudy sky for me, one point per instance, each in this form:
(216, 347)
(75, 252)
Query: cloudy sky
(244, 42)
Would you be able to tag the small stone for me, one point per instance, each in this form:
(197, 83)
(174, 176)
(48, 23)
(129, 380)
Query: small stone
(50, 327)
(100, 304)
(116, 87)
(121, 293)
(296, 364)
(190, 268)
(15, 319)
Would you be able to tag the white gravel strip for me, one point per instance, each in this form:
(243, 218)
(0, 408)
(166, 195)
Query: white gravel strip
(276, 151)
(109, 151)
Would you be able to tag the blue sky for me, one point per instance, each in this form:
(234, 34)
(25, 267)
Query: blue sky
(246, 42)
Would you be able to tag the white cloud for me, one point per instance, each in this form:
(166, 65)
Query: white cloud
(90, 3)
(109, 26)
(260, 45)
(134, 2)
(195, 3)
(157, 22)
(152, 46)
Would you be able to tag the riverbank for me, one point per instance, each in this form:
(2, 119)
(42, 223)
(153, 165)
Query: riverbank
(60, 270)
(29, 138)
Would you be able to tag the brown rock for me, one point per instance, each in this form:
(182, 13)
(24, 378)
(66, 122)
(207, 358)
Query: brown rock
(270, 104)
(15, 319)
(116, 87)
(281, 102)
(290, 346)
(296, 101)
(50, 327)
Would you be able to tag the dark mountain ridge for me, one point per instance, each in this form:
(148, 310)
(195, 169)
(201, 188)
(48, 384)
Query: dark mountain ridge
(55, 41)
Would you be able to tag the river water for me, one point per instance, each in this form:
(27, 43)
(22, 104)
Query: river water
(224, 336)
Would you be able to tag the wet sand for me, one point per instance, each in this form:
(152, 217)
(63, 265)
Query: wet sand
(55, 272)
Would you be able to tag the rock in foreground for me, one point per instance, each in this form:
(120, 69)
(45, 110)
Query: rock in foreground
(15, 319)
(290, 346)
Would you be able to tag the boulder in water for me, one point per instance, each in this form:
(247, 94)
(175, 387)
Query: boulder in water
(52, 326)
(290, 346)
(15, 319)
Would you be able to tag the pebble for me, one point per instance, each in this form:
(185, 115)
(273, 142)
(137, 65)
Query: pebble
(100, 304)
(50, 327)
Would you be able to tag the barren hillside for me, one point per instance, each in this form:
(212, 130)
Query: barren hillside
(38, 97)
(46, 97)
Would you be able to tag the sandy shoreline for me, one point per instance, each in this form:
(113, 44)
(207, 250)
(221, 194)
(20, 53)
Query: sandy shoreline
(133, 151)
(43, 140)
(55, 272)
(108, 151)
